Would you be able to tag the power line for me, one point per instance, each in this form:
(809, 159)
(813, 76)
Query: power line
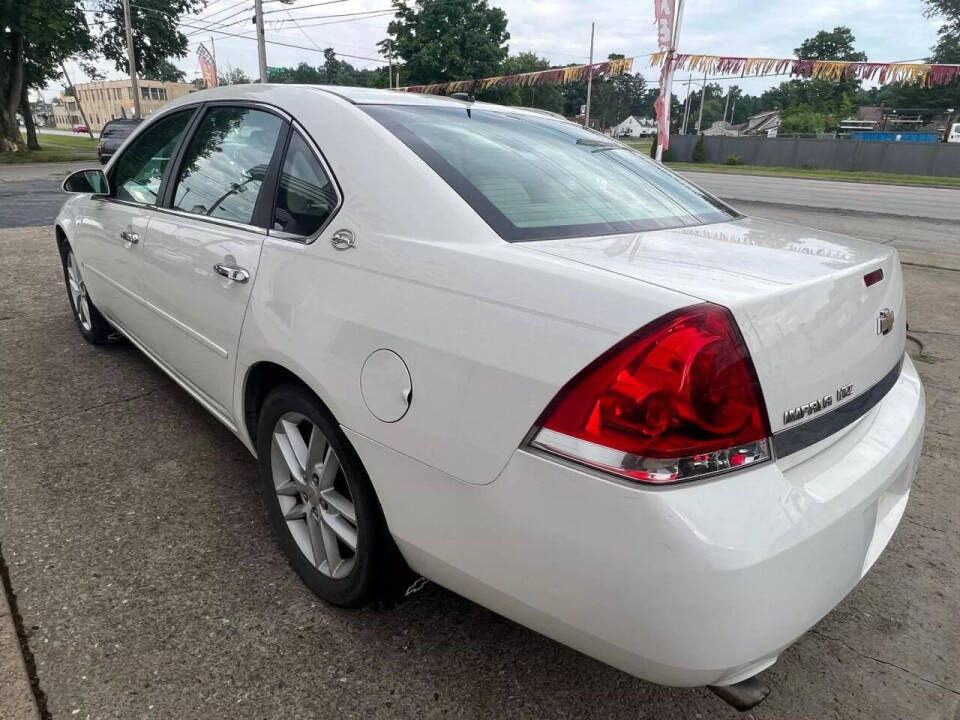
(298, 47)
(360, 15)
(304, 7)
(209, 16)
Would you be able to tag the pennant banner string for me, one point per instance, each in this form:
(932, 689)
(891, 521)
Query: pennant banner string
(553, 76)
(926, 74)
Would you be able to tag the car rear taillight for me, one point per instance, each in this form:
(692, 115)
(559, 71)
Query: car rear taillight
(677, 400)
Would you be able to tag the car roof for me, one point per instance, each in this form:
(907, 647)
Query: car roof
(280, 93)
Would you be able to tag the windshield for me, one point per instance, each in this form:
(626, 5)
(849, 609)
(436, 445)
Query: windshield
(535, 178)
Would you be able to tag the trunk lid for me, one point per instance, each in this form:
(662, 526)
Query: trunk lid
(799, 296)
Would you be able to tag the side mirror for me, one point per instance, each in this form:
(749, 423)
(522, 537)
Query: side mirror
(87, 181)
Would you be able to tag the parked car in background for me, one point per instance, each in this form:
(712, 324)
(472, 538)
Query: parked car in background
(80, 128)
(954, 135)
(518, 357)
(112, 137)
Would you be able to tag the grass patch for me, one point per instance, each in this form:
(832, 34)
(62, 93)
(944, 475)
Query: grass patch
(812, 174)
(55, 148)
(641, 145)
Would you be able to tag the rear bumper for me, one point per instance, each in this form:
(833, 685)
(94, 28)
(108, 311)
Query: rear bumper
(689, 585)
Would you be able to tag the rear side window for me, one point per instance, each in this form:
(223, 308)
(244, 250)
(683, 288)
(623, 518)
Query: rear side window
(138, 172)
(306, 196)
(535, 178)
(226, 162)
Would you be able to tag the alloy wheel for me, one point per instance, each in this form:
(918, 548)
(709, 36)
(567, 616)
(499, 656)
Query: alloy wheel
(78, 293)
(314, 494)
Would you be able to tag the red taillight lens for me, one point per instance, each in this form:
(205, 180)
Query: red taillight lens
(676, 400)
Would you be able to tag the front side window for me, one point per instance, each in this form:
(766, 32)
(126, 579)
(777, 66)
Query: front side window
(306, 196)
(226, 163)
(138, 172)
(535, 178)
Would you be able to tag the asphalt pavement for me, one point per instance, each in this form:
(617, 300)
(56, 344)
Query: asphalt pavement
(30, 193)
(902, 200)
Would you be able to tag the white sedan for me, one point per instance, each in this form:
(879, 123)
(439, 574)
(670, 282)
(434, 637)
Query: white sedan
(516, 357)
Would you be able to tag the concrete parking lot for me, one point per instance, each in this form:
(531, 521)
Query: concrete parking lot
(147, 584)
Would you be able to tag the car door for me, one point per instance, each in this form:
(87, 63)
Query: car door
(201, 256)
(111, 231)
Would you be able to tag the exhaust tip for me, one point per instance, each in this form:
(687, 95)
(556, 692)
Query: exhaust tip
(744, 695)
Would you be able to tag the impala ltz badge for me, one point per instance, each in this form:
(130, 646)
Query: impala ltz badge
(818, 405)
(885, 321)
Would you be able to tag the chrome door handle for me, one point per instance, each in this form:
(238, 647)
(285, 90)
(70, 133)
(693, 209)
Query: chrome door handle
(130, 237)
(231, 272)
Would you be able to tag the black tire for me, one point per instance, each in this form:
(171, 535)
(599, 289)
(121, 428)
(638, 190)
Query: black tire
(378, 568)
(97, 330)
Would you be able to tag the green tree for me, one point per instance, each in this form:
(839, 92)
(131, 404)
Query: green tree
(156, 36)
(947, 49)
(442, 40)
(233, 76)
(35, 37)
(165, 71)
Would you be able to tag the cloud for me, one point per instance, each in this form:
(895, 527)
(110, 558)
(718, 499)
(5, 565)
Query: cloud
(560, 31)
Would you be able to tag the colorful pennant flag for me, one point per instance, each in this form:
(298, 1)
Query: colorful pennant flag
(208, 66)
(926, 74)
(553, 76)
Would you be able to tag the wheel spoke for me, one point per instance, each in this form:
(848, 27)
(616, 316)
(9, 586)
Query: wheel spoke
(330, 548)
(297, 512)
(290, 487)
(285, 440)
(317, 448)
(340, 504)
(341, 528)
(331, 464)
(316, 541)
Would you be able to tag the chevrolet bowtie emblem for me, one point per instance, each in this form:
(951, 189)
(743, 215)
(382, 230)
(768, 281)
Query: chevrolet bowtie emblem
(885, 321)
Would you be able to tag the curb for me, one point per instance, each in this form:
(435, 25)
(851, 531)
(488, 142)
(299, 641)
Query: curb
(17, 701)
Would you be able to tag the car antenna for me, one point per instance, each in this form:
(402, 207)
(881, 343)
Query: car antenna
(466, 97)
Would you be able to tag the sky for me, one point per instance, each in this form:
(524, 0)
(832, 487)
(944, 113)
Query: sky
(559, 30)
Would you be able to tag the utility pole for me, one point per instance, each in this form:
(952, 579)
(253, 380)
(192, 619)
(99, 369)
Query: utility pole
(726, 104)
(686, 105)
(131, 62)
(76, 97)
(703, 96)
(390, 70)
(667, 88)
(261, 41)
(586, 115)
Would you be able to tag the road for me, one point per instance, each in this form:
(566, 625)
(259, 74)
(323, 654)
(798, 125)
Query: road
(30, 194)
(934, 203)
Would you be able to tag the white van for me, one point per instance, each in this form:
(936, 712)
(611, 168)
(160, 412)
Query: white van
(954, 135)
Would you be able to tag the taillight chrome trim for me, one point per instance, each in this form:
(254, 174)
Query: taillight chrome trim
(659, 471)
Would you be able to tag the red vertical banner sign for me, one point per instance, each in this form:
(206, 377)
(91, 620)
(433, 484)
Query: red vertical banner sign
(208, 66)
(665, 12)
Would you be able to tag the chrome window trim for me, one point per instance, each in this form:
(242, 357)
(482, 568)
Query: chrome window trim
(256, 229)
(318, 155)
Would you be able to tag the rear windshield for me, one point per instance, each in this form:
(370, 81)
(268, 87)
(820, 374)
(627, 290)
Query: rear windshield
(533, 178)
(118, 129)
